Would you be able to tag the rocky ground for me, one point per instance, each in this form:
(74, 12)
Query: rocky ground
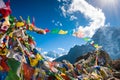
(107, 69)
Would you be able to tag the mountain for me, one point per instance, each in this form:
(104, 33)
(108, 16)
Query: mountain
(51, 55)
(75, 52)
(107, 37)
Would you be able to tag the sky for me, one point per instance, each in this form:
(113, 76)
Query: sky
(85, 15)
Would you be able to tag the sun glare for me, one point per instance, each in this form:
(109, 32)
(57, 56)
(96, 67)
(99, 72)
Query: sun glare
(109, 5)
(106, 3)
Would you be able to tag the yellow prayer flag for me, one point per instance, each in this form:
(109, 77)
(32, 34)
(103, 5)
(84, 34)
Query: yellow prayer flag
(31, 27)
(96, 45)
(3, 51)
(6, 22)
(63, 32)
(11, 34)
(34, 62)
(38, 57)
(19, 24)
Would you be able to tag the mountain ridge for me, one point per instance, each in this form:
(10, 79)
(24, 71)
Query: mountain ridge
(107, 37)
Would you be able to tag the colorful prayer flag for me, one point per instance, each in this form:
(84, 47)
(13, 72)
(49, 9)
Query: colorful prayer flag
(96, 45)
(28, 20)
(28, 72)
(62, 32)
(2, 4)
(55, 31)
(5, 9)
(87, 39)
(19, 24)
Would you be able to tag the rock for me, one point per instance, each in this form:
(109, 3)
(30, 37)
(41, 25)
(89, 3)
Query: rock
(116, 75)
(103, 58)
(112, 78)
(116, 64)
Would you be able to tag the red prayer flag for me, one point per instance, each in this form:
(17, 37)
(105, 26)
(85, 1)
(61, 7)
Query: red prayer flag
(28, 72)
(47, 30)
(6, 11)
(3, 63)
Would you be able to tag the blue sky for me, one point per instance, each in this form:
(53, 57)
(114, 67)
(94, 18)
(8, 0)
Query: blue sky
(48, 14)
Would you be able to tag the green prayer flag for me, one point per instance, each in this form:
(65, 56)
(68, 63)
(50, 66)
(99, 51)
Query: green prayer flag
(11, 19)
(28, 19)
(96, 45)
(86, 39)
(55, 31)
(12, 74)
(13, 64)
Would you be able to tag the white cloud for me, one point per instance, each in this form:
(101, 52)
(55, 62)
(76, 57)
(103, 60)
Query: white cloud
(49, 58)
(107, 25)
(72, 17)
(61, 49)
(94, 15)
(53, 21)
(39, 49)
(57, 23)
(63, 11)
(62, 0)
(61, 24)
(52, 55)
(59, 0)
(45, 52)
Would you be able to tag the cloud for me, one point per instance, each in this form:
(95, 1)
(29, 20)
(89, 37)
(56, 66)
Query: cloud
(95, 16)
(39, 49)
(52, 55)
(59, 0)
(57, 23)
(44, 52)
(53, 21)
(63, 11)
(61, 49)
(49, 58)
(72, 17)
(62, 0)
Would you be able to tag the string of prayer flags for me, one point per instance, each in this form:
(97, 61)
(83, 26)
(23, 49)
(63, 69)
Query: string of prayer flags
(78, 34)
(90, 41)
(59, 31)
